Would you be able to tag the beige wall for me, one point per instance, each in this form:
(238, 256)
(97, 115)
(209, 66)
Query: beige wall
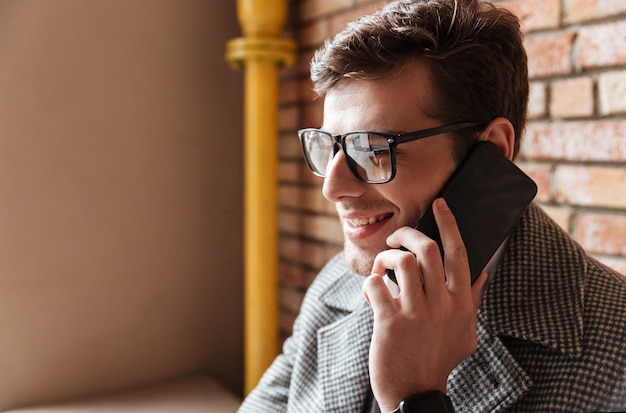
(120, 195)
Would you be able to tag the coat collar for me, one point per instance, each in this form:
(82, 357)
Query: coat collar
(345, 292)
(343, 346)
(343, 361)
(525, 298)
(490, 380)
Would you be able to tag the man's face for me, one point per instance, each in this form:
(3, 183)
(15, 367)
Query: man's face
(369, 213)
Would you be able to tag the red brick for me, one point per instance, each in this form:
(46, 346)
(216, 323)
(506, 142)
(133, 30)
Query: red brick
(289, 146)
(602, 233)
(602, 45)
(288, 117)
(560, 215)
(313, 254)
(287, 72)
(577, 11)
(306, 91)
(338, 22)
(322, 228)
(289, 171)
(313, 33)
(331, 208)
(617, 263)
(312, 115)
(289, 222)
(309, 276)
(303, 63)
(549, 54)
(313, 200)
(291, 299)
(307, 177)
(289, 90)
(289, 196)
(542, 175)
(312, 9)
(535, 14)
(290, 274)
(332, 250)
(602, 140)
(285, 323)
(537, 100)
(572, 98)
(591, 186)
(290, 247)
(612, 92)
(380, 3)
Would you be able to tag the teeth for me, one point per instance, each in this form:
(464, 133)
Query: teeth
(361, 222)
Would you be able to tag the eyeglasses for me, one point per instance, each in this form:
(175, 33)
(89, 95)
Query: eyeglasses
(371, 156)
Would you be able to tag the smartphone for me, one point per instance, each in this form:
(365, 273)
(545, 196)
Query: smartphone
(487, 195)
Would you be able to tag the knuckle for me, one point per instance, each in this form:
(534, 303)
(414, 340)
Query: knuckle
(460, 252)
(431, 248)
(407, 259)
(369, 282)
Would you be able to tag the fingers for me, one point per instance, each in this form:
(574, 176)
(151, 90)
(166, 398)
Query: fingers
(455, 254)
(419, 268)
(408, 274)
(378, 295)
(432, 323)
(424, 257)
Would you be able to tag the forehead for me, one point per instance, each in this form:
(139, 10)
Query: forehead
(394, 104)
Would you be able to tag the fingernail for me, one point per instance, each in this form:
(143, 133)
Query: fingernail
(442, 204)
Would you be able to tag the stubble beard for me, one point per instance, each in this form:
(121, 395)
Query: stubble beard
(358, 259)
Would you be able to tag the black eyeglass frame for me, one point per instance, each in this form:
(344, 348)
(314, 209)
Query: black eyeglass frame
(392, 141)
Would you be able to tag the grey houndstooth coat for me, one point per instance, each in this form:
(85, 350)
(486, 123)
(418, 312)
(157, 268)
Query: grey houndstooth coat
(551, 337)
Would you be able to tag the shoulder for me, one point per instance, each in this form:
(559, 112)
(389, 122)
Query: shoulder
(335, 292)
(605, 300)
(563, 314)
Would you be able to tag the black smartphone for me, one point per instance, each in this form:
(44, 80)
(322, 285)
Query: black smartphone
(487, 194)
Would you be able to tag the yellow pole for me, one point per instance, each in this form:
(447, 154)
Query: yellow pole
(260, 52)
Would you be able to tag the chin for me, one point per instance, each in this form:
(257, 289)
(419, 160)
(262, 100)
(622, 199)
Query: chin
(359, 260)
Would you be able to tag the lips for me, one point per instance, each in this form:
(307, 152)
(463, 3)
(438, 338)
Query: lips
(361, 222)
(360, 228)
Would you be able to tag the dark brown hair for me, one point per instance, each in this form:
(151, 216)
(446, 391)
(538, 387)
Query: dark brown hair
(478, 66)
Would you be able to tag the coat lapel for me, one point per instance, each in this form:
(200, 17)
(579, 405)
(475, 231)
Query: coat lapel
(343, 347)
(523, 301)
(490, 380)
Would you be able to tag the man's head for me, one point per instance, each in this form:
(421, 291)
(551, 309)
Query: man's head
(478, 66)
(412, 66)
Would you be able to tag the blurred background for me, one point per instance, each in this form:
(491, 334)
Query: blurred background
(120, 196)
(121, 178)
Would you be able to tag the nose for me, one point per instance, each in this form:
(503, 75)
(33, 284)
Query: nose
(340, 182)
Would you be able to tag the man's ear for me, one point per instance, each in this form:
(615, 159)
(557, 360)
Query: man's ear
(501, 133)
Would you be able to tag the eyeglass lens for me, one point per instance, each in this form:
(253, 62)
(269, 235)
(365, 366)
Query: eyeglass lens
(367, 154)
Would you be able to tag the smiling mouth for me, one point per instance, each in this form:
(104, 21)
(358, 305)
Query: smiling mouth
(362, 222)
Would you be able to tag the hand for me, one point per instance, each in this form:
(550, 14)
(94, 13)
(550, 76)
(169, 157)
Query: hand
(423, 334)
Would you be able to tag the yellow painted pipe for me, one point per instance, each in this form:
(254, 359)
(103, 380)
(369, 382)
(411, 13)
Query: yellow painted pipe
(260, 52)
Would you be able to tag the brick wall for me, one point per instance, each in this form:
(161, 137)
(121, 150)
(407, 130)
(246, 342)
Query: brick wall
(575, 143)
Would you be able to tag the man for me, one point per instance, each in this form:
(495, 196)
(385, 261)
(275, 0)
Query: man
(542, 329)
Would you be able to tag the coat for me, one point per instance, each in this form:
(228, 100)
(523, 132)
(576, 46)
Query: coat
(551, 334)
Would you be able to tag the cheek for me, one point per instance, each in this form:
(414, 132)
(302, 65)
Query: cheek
(416, 192)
